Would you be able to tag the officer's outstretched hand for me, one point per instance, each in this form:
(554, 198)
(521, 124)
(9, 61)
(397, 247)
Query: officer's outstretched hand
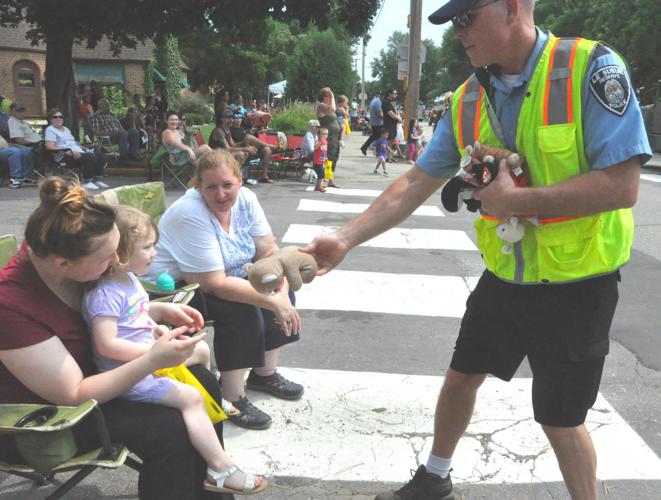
(498, 196)
(328, 250)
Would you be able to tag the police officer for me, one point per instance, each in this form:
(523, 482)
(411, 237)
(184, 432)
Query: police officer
(567, 105)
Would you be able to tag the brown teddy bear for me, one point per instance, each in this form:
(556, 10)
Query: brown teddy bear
(266, 274)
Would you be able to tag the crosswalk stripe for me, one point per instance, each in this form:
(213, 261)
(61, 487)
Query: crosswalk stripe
(651, 177)
(399, 237)
(365, 426)
(356, 208)
(387, 293)
(373, 193)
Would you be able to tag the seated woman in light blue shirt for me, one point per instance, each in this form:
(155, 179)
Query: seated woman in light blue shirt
(61, 142)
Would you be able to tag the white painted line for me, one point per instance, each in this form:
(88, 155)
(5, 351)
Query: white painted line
(357, 208)
(363, 426)
(387, 293)
(399, 237)
(350, 192)
(651, 177)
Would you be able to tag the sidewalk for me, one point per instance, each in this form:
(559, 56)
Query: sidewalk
(655, 161)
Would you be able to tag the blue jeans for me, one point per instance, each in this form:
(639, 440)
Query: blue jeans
(129, 143)
(20, 160)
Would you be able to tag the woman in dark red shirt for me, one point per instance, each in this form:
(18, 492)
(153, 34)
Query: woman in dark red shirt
(45, 349)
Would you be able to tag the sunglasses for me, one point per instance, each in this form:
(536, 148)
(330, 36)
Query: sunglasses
(465, 19)
(57, 117)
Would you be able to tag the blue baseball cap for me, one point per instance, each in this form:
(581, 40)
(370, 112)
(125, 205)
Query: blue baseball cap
(450, 10)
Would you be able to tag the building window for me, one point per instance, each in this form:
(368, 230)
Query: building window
(25, 80)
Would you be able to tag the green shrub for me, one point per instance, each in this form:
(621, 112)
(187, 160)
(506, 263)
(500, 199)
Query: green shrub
(115, 97)
(195, 119)
(294, 119)
(194, 104)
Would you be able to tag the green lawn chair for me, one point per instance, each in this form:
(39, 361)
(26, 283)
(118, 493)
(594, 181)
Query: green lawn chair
(45, 441)
(148, 197)
(8, 247)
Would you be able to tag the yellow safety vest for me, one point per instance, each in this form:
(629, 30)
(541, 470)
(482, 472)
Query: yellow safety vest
(550, 136)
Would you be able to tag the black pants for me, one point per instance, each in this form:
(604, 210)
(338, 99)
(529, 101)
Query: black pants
(172, 468)
(92, 163)
(376, 133)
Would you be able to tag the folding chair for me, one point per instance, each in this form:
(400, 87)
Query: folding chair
(279, 159)
(295, 152)
(148, 197)
(8, 247)
(45, 442)
(176, 169)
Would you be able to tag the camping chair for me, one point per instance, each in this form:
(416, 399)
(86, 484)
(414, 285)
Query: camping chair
(281, 156)
(295, 152)
(176, 169)
(45, 441)
(8, 247)
(148, 197)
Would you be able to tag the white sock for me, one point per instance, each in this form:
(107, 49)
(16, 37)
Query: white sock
(439, 466)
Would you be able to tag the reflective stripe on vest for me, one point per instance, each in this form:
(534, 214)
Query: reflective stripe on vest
(470, 108)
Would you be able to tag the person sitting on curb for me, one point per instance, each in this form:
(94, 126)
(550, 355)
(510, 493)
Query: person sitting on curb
(106, 124)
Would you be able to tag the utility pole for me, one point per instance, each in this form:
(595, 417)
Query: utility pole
(362, 75)
(413, 90)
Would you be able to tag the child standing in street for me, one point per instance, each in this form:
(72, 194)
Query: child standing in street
(320, 157)
(382, 152)
(116, 310)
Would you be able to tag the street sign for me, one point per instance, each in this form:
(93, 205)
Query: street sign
(363, 95)
(402, 69)
(403, 52)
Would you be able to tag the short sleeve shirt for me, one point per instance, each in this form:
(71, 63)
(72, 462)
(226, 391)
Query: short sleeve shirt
(376, 114)
(63, 139)
(30, 313)
(129, 303)
(609, 138)
(193, 241)
(22, 129)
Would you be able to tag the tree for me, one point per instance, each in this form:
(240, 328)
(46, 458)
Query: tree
(59, 24)
(320, 59)
(437, 75)
(127, 22)
(631, 27)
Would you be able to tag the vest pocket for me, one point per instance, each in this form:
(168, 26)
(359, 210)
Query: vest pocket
(490, 246)
(570, 250)
(557, 144)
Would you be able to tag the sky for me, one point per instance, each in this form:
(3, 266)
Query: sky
(393, 18)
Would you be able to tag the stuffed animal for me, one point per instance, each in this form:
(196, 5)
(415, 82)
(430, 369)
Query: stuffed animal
(266, 274)
(479, 167)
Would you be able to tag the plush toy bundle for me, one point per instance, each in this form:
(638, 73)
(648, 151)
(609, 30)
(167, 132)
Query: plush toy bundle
(266, 275)
(479, 167)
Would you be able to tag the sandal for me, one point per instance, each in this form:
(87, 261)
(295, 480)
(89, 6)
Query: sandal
(321, 189)
(229, 409)
(216, 482)
(266, 180)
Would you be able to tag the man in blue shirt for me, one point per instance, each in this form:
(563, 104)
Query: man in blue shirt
(376, 121)
(553, 325)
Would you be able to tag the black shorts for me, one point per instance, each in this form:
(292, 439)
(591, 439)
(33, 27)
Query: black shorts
(563, 329)
(242, 332)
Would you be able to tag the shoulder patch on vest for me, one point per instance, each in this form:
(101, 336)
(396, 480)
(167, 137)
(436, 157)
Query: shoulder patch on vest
(611, 88)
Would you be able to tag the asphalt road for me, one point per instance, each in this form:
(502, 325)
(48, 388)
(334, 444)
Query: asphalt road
(421, 345)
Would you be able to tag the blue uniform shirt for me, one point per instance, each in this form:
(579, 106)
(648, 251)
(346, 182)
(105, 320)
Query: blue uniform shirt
(608, 137)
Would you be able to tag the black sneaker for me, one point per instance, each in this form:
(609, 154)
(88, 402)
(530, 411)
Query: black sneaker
(423, 486)
(364, 151)
(275, 384)
(250, 417)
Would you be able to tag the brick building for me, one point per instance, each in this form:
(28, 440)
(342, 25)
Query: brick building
(22, 67)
